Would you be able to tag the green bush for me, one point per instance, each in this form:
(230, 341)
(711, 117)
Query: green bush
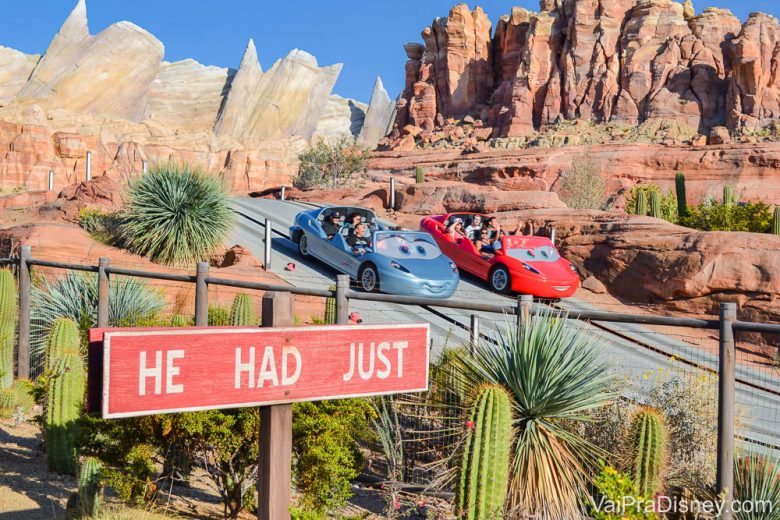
(325, 447)
(177, 215)
(219, 316)
(668, 201)
(330, 164)
(104, 227)
(612, 486)
(582, 187)
(712, 216)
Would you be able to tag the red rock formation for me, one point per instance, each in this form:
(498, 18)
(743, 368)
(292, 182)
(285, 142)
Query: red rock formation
(600, 60)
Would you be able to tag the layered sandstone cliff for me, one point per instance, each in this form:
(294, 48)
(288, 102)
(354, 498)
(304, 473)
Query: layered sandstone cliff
(113, 95)
(619, 61)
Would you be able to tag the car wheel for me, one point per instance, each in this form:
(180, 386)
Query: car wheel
(303, 245)
(368, 278)
(499, 280)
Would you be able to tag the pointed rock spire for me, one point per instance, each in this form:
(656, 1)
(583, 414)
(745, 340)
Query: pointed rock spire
(75, 27)
(250, 59)
(379, 116)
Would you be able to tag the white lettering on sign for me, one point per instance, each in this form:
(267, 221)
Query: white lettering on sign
(291, 356)
(357, 359)
(156, 371)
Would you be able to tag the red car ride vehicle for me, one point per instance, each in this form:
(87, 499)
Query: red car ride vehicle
(521, 264)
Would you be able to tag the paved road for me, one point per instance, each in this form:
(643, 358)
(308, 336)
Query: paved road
(633, 350)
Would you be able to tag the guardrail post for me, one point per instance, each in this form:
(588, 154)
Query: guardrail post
(89, 166)
(102, 317)
(726, 384)
(552, 235)
(274, 474)
(523, 311)
(51, 180)
(267, 245)
(474, 332)
(342, 303)
(144, 167)
(201, 295)
(25, 290)
(282, 194)
(392, 193)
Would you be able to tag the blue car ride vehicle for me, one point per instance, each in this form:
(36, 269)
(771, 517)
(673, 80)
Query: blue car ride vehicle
(352, 241)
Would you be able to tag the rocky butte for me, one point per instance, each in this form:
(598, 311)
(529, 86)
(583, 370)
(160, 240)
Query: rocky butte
(113, 94)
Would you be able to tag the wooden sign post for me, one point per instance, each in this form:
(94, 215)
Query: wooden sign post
(154, 371)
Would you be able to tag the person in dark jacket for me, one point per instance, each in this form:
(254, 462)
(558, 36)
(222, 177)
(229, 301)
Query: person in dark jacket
(332, 225)
(357, 239)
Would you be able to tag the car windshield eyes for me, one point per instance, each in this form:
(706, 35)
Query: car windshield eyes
(421, 250)
(404, 249)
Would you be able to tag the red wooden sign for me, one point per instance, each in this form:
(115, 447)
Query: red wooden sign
(176, 370)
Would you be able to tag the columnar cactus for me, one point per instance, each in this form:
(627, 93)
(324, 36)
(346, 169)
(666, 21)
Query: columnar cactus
(641, 203)
(776, 221)
(648, 442)
(682, 201)
(484, 474)
(655, 204)
(65, 396)
(330, 308)
(243, 313)
(7, 327)
(728, 196)
(90, 488)
(419, 175)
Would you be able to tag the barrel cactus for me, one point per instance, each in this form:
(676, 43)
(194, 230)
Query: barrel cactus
(682, 201)
(90, 488)
(641, 203)
(648, 443)
(728, 196)
(65, 396)
(484, 473)
(419, 175)
(330, 308)
(7, 327)
(655, 205)
(243, 313)
(776, 221)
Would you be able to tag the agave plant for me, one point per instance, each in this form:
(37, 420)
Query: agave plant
(75, 296)
(757, 481)
(551, 369)
(177, 215)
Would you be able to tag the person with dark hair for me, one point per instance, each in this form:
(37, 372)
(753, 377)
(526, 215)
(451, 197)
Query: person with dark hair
(354, 219)
(455, 229)
(357, 239)
(332, 225)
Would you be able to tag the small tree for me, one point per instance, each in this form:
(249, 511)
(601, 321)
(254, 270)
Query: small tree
(330, 164)
(582, 187)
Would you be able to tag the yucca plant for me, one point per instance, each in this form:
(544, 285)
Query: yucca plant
(177, 215)
(131, 302)
(757, 479)
(552, 371)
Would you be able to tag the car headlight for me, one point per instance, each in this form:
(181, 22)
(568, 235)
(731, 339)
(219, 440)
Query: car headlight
(396, 265)
(530, 268)
(453, 267)
(573, 268)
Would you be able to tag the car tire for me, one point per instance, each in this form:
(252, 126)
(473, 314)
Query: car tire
(499, 279)
(368, 278)
(303, 245)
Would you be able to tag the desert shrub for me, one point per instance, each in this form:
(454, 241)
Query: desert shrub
(325, 449)
(330, 164)
(177, 215)
(219, 316)
(668, 201)
(612, 486)
(712, 216)
(582, 187)
(131, 303)
(105, 227)
(757, 479)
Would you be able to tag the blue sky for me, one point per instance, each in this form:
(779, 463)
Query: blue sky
(367, 36)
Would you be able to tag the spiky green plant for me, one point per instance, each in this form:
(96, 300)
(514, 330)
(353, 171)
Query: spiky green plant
(7, 401)
(90, 486)
(728, 196)
(243, 313)
(179, 320)
(388, 431)
(682, 201)
(484, 472)
(648, 445)
(655, 205)
(776, 221)
(757, 480)
(177, 215)
(7, 327)
(131, 302)
(641, 203)
(65, 397)
(419, 175)
(555, 377)
(330, 308)
(219, 316)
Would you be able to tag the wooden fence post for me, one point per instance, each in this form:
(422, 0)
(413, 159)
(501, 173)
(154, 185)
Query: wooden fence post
(201, 295)
(25, 290)
(274, 475)
(726, 387)
(102, 317)
(342, 303)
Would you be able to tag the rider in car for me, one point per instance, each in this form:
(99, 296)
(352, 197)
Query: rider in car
(357, 239)
(474, 227)
(354, 219)
(332, 225)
